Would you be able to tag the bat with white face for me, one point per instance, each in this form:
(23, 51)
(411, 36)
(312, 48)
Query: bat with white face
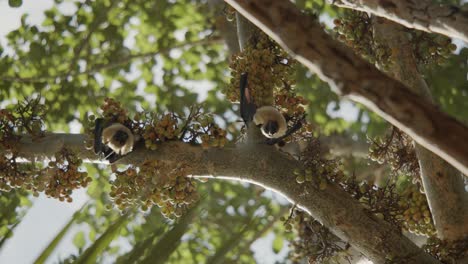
(113, 140)
(271, 122)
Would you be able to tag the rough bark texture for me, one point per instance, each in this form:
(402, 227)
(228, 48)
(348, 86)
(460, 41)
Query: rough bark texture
(262, 165)
(443, 184)
(351, 76)
(447, 20)
(245, 30)
(226, 29)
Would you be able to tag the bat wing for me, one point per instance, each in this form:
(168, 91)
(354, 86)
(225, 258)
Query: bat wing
(247, 105)
(113, 157)
(291, 130)
(98, 127)
(99, 147)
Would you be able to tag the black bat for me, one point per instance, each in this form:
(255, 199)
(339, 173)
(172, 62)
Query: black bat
(112, 140)
(271, 122)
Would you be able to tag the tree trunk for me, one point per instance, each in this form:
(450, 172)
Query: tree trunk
(443, 184)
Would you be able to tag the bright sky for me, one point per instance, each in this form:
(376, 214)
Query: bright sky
(48, 216)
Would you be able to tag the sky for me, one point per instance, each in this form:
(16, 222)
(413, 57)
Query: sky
(48, 216)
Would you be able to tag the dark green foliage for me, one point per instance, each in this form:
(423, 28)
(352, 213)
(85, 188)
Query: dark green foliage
(15, 3)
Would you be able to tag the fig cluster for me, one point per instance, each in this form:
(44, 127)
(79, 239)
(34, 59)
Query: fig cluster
(290, 103)
(447, 251)
(416, 214)
(268, 67)
(61, 177)
(354, 28)
(316, 175)
(313, 241)
(431, 48)
(154, 183)
(113, 110)
(57, 179)
(197, 127)
(396, 150)
(160, 130)
(317, 168)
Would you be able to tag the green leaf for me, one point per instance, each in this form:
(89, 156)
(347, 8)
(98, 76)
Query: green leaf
(8, 234)
(79, 240)
(162, 250)
(36, 51)
(92, 234)
(15, 3)
(278, 244)
(97, 248)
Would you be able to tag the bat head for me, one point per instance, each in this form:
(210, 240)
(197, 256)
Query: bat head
(270, 128)
(120, 137)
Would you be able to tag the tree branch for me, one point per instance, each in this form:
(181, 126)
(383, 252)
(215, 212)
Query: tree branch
(262, 165)
(443, 184)
(226, 29)
(245, 30)
(424, 15)
(349, 75)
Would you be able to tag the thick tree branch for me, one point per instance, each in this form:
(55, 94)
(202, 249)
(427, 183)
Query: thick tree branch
(424, 15)
(261, 165)
(351, 76)
(226, 29)
(245, 30)
(443, 184)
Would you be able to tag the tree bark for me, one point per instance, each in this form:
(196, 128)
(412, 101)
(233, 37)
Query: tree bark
(424, 15)
(262, 165)
(349, 75)
(443, 184)
(226, 29)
